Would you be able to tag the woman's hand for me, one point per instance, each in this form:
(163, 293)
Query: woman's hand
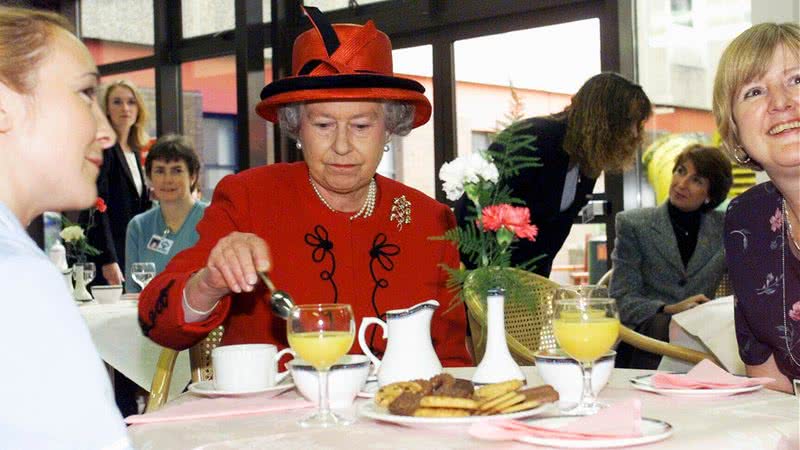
(231, 267)
(685, 304)
(112, 273)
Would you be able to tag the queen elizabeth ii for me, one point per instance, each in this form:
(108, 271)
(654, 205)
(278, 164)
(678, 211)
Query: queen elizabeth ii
(328, 229)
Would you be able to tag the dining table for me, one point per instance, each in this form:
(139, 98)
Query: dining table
(116, 334)
(759, 420)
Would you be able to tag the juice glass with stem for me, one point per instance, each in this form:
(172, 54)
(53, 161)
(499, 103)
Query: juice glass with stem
(586, 328)
(321, 334)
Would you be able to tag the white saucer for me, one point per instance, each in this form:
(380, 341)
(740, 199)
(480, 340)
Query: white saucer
(652, 431)
(644, 383)
(206, 388)
(373, 411)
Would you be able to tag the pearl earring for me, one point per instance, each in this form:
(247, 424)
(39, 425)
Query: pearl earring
(298, 145)
(386, 148)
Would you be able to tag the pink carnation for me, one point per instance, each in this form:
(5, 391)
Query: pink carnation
(515, 219)
(794, 313)
(776, 221)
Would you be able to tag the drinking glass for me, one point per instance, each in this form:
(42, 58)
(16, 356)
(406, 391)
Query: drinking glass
(581, 291)
(321, 334)
(143, 272)
(586, 328)
(88, 272)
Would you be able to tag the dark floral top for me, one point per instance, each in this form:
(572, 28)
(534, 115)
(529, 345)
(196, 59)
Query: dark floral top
(766, 280)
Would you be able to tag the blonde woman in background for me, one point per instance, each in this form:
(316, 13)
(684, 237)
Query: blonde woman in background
(122, 181)
(55, 390)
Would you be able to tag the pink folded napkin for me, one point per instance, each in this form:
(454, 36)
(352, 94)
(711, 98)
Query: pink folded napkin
(204, 408)
(788, 443)
(705, 375)
(620, 420)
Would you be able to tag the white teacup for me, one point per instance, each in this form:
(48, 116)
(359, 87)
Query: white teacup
(247, 367)
(345, 380)
(564, 373)
(107, 294)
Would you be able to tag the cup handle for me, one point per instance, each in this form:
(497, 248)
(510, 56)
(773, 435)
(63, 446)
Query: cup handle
(362, 342)
(281, 375)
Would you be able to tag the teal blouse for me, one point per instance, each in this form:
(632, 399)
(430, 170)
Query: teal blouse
(141, 230)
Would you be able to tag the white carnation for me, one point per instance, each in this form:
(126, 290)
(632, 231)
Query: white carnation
(452, 176)
(73, 233)
(482, 168)
(470, 169)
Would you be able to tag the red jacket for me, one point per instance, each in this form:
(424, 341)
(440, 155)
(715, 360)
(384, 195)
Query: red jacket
(318, 256)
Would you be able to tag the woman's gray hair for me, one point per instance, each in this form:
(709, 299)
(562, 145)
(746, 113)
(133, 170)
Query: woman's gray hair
(398, 117)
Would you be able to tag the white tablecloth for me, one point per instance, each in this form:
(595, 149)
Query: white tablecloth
(708, 328)
(119, 340)
(754, 421)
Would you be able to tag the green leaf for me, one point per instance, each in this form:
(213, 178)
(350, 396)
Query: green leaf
(512, 151)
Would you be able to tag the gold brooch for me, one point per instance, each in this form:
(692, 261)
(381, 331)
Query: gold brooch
(401, 211)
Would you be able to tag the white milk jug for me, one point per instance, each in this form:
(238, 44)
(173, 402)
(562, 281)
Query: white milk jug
(409, 351)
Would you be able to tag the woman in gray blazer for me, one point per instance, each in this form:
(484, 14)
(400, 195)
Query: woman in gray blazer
(670, 258)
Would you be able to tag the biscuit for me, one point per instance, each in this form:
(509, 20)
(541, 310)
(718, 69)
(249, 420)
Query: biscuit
(460, 388)
(493, 390)
(517, 398)
(438, 401)
(524, 406)
(441, 412)
(441, 382)
(491, 403)
(405, 404)
(388, 393)
(427, 386)
(542, 394)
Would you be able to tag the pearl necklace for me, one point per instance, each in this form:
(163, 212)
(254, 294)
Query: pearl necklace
(783, 282)
(366, 208)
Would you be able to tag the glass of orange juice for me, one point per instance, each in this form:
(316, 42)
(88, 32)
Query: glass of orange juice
(581, 291)
(321, 334)
(586, 328)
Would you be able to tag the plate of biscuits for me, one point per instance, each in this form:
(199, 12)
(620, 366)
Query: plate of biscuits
(445, 400)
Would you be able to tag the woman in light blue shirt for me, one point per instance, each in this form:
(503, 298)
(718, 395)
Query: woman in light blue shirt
(55, 390)
(173, 168)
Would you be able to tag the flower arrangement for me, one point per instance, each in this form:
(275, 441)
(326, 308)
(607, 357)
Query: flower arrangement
(75, 240)
(495, 224)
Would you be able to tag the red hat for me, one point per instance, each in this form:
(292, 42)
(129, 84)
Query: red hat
(342, 62)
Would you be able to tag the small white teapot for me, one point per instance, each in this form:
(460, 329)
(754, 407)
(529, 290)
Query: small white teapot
(409, 352)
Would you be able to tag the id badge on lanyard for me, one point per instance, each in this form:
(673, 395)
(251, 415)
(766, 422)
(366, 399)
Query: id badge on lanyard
(160, 244)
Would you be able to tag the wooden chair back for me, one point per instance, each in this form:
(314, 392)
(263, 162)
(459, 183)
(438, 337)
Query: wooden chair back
(648, 344)
(199, 361)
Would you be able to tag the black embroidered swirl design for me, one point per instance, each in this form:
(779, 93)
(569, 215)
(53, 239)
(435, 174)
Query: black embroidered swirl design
(382, 253)
(323, 247)
(160, 306)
